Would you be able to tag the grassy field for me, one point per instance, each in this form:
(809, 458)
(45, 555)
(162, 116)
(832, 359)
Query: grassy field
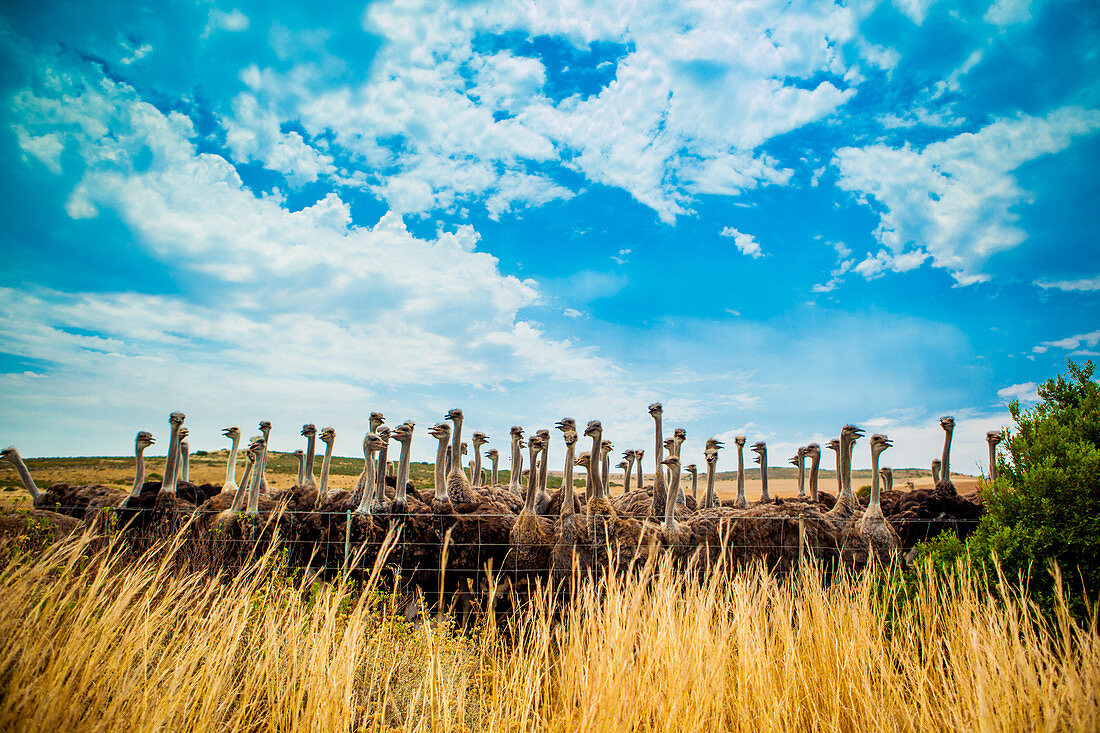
(96, 640)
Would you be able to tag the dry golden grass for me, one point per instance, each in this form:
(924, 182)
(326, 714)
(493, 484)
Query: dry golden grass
(99, 641)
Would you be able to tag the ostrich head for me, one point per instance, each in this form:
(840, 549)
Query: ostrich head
(441, 431)
(605, 447)
(879, 443)
(739, 441)
(793, 461)
(669, 443)
(308, 430)
(714, 444)
(629, 454)
(639, 454)
(265, 426)
(594, 427)
(403, 433)
(383, 434)
(936, 463)
(10, 453)
(692, 469)
(566, 424)
(887, 474)
(145, 439)
(480, 439)
(376, 420)
(582, 460)
(994, 437)
(672, 462)
(328, 436)
(257, 445)
(834, 444)
(852, 432)
(492, 454)
(184, 432)
(813, 450)
(177, 418)
(570, 437)
(680, 434)
(373, 442)
(761, 450)
(655, 409)
(516, 432)
(544, 437)
(947, 422)
(622, 465)
(711, 456)
(298, 453)
(231, 432)
(454, 414)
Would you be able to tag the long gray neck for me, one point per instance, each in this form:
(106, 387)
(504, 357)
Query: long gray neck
(935, 473)
(641, 475)
(403, 470)
(254, 490)
(245, 488)
(670, 500)
(185, 461)
(495, 478)
(456, 448)
(815, 463)
(945, 460)
(365, 500)
(231, 466)
(517, 465)
(25, 476)
(567, 482)
(626, 475)
(441, 454)
(139, 470)
(476, 471)
(764, 495)
(846, 445)
(992, 462)
(695, 486)
(262, 469)
(301, 469)
(532, 484)
(712, 471)
(380, 479)
(874, 506)
(594, 463)
(326, 464)
(839, 473)
(740, 475)
(606, 474)
(544, 467)
(801, 477)
(659, 455)
(168, 483)
(311, 447)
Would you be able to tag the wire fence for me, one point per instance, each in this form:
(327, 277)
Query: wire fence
(439, 555)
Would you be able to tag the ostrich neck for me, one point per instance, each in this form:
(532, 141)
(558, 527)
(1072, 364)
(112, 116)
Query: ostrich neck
(848, 450)
(945, 461)
(456, 447)
(695, 486)
(25, 477)
(326, 463)
(517, 464)
(311, 446)
(477, 466)
(801, 476)
(245, 488)
(764, 495)
(992, 462)
(658, 451)
(889, 482)
(815, 463)
(839, 473)
(712, 469)
(231, 466)
(496, 474)
(606, 475)
(301, 469)
(139, 470)
(168, 483)
(627, 474)
(440, 480)
(935, 473)
(567, 483)
(262, 470)
(257, 476)
(670, 500)
(368, 469)
(594, 463)
(641, 476)
(874, 506)
(532, 484)
(380, 479)
(403, 469)
(185, 462)
(544, 466)
(740, 472)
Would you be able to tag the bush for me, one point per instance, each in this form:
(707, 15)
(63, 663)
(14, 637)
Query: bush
(1045, 506)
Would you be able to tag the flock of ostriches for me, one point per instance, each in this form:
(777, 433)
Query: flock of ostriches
(469, 523)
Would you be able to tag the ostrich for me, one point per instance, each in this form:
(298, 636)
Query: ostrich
(993, 438)
(185, 457)
(799, 461)
(256, 503)
(707, 532)
(935, 471)
(871, 538)
(710, 455)
(458, 486)
(234, 434)
(441, 432)
(605, 466)
(379, 488)
(479, 439)
(638, 456)
(494, 458)
(516, 469)
(679, 435)
(761, 451)
(568, 427)
(532, 534)
(544, 464)
(573, 539)
(300, 456)
(142, 441)
(813, 450)
(846, 503)
(171, 461)
(265, 431)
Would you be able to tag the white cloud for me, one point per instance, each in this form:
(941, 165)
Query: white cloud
(745, 243)
(1024, 392)
(1003, 13)
(232, 21)
(1086, 284)
(1070, 342)
(952, 202)
(622, 258)
(253, 133)
(915, 10)
(571, 313)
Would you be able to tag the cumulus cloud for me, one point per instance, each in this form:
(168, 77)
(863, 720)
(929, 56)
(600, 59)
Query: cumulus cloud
(1025, 392)
(953, 201)
(1085, 284)
(746, 244)
(1070, 342)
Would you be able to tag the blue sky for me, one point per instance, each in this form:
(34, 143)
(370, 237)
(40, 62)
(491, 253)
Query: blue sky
(773, 217)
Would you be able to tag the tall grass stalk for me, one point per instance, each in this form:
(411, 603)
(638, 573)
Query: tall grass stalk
(98, 640)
